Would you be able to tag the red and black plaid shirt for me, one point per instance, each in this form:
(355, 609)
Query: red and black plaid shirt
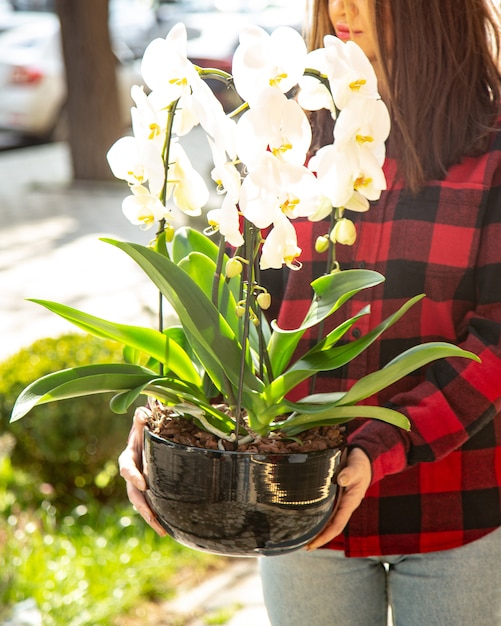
(438, 486)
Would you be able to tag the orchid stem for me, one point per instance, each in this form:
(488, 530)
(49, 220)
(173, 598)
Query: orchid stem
(218, 272)
(250, 243)
(331, 261)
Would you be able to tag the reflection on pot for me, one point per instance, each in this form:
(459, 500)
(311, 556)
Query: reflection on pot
(240, 503)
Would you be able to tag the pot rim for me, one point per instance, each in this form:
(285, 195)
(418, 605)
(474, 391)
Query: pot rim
(243, 453)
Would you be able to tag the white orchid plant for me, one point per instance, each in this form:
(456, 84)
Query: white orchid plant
(222, 350)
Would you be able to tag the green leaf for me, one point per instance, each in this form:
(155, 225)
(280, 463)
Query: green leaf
(152, 342)
(188, 240)
(404, 364)
(340, 415)
(201, 269)
(210, 335)
(331, 292)
(80, 381)
(331, 358)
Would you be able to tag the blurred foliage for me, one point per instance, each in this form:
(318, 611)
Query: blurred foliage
(69, 447)
(87, 567)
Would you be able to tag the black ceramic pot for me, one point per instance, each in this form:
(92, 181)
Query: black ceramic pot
(240, 503)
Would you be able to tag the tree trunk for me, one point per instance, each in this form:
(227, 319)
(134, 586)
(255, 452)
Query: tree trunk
(92, 105)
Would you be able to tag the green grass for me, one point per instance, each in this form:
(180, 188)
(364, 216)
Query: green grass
(86, 568)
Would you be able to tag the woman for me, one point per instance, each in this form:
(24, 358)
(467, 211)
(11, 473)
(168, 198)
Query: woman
(419, 523)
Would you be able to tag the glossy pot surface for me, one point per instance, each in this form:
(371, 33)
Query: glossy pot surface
(240, 503)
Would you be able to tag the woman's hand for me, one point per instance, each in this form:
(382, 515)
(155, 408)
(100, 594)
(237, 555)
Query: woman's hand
(131, 464)
(355, 479)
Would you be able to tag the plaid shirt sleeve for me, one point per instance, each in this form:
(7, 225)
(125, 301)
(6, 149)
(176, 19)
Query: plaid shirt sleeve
(437, 486)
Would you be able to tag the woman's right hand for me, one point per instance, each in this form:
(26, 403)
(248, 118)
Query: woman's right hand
(130, 463)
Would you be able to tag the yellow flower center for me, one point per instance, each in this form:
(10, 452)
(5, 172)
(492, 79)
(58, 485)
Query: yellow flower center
(137, 174)
(281, 149)
(364, 139)
(181, 82)
(289, 204)
(361, 181)
(274, 82)
(147, 220)
(356, 85)
(155, 130)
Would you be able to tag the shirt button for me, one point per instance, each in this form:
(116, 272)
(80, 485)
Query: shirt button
(356, 332)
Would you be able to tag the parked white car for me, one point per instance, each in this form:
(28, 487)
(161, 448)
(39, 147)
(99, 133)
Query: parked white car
(32, 79)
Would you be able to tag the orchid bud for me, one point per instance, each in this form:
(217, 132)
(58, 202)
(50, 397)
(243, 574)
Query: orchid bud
(264, 300)
(240, 310)
(322, 244)
(233, 268)
(344, 232)
(169, 232)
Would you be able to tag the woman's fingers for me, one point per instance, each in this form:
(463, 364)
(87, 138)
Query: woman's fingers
(130, 463)
(355, 479)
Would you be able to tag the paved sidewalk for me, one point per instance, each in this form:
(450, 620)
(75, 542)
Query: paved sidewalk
(50, 249)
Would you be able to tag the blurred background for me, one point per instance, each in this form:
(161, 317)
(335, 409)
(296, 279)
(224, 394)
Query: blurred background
(72, 550)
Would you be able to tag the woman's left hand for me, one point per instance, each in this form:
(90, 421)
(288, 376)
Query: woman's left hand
(355, 479)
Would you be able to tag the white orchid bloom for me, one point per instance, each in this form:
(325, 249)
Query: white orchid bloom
(149, 130)
(125, 161)
(351, 74)
(314, 94)
(274, 123)
(142, 208)
(165, 67)
(185, 184)
(262, 60)
(280, 246)
(217, 125)
(275, 187)
(225, 173)
(366, 123)
(227, 221)
(357, 203)
(334, 173)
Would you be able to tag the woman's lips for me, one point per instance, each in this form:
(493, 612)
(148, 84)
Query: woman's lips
(344, 32)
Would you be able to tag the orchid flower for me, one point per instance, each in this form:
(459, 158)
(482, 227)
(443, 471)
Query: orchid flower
(227, 221)
(165, 67)
(276, 187)
(351, 74)
(185, 184)
(217, 125)
(142, 208)
(280, 246)
(149, 129)
(125, 162)
(228, 180)
(366, 124)
(262, 60)
(313, 93)
(275, 123)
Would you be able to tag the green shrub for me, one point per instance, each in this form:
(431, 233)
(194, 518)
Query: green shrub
(71, 446)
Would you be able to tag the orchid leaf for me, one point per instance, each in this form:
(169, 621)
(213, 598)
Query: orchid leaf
(332, 415)
(332, 358)
(152, 342)
(182, 399)
(331, 292)
(202, 270)
(80, 381)
(407, 362)
(188, 240)
(210, 335)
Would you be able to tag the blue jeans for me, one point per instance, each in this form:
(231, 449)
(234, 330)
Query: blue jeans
(459, 587)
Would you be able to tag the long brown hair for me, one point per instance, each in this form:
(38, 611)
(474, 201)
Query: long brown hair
(440, 62)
